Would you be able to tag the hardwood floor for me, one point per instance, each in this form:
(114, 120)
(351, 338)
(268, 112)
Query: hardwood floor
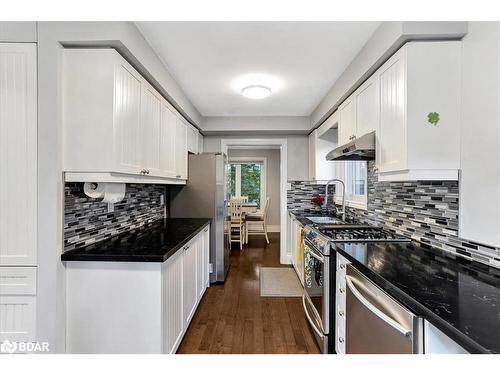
(233, 318)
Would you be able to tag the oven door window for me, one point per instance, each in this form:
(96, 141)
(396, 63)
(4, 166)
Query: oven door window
(314, 268)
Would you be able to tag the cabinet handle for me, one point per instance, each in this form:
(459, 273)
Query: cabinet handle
(342, 266)
(341, 313)
(185, 248)
(206, 230)
(147, 171)
(342, 290)
(178, 176)
(341, 339)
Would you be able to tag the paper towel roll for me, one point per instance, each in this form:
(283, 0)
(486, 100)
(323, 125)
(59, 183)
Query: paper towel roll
(113, 192)
(94, 189)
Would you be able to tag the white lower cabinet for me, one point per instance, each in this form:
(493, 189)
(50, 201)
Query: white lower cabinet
(134, 307)
(189, 276)
(340, 304)
(295, 237)
(173, 325)
(18, 304)
(436, 342)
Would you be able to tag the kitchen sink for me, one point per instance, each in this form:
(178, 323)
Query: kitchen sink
(324, 220)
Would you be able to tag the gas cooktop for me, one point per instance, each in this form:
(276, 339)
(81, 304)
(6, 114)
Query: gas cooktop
(321, 236)
(358, 233)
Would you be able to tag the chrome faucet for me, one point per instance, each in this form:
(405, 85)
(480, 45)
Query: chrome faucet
(343, 195)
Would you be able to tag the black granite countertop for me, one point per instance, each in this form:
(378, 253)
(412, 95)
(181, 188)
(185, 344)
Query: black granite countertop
(155, 242)
(459, 297)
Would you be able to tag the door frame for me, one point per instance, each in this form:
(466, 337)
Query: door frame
(272, 143)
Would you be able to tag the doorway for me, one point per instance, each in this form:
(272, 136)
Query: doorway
(245, 153)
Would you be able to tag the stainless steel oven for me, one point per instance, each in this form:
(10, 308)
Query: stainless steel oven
(316, 297)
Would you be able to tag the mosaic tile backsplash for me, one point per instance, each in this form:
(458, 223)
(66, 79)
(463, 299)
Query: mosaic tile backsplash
(300, 193)
(86, 220)
(426, 211)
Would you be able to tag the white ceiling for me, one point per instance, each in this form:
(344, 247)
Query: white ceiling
(301, 61)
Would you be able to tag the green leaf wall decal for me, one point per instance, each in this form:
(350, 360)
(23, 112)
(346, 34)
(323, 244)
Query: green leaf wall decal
(433, 118)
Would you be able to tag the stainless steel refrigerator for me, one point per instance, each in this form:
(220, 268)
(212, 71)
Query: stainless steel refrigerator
(204, 196)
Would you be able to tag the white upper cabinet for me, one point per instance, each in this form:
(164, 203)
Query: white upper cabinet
(151, 131)
(419, 84)
(366, 99)
(200, 143)
(180, 149)
(192, 139)
(18, 154)
(391, 146)
(321, 142)
(116, 126)
(167, 140)
(347, 120)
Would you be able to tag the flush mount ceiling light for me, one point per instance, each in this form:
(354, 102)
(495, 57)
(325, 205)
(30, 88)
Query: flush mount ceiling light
(256, 92)
(256, 85)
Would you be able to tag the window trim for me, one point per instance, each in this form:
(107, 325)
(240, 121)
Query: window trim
(263, 174)
(355, 200)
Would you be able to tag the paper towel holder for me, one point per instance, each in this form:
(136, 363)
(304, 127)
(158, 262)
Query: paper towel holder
(110, 192)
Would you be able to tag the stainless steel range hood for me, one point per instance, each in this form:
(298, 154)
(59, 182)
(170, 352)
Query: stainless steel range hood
(362, 148)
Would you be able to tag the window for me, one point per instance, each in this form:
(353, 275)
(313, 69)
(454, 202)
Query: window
(354, 175)
(246, 177)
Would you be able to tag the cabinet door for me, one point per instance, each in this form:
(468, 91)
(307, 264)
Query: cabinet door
(192, 139)
(167, 140)
(436, 342)
(347, 120)
(200, 268)
(367, 106)
(312, 155)
(151, 130)
(18, 318)
(18, 154)
(206, 252)
(391, 147)
(173, 326)
(189, 281)
(127, 119)
(200, 143)
(180, 149)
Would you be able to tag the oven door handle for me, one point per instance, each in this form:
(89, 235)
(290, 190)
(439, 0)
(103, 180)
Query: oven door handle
(311, 322)
(306, 246)
(398, 327)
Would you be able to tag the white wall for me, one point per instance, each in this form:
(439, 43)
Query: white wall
(253, 124)
(297, 147)
(272, 176)
(383, 43)
(22, 31)
(127, 39)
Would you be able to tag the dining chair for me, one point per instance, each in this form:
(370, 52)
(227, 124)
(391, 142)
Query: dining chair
(244, 199)
(237, 230)
(259, 217)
